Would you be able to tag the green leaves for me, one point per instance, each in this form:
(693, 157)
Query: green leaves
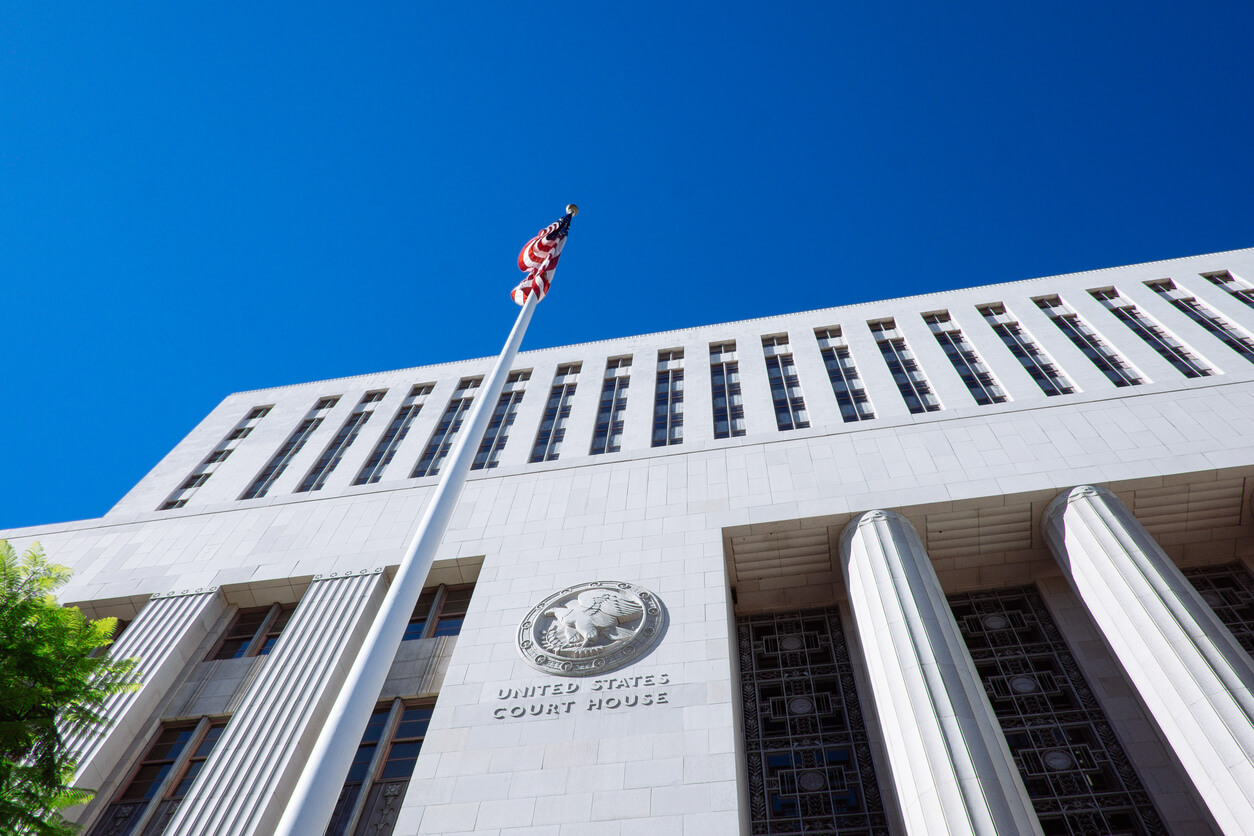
(52, 681)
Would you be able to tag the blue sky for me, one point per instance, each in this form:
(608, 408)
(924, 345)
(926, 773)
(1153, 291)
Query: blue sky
(197, 199)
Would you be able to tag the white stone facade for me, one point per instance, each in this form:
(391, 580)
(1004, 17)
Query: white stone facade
(719, 529)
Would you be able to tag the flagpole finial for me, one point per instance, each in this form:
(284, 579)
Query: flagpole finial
(572, 209)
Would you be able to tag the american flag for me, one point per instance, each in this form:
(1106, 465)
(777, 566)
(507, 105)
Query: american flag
(538, 260)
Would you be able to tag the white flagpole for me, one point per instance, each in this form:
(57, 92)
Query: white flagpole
(313, 801)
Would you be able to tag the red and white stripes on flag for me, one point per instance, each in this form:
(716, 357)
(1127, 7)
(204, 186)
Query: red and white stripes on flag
(538, 260)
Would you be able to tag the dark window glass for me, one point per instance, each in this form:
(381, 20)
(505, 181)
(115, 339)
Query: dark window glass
(1076, 773)
(247, 625)
(810, 768)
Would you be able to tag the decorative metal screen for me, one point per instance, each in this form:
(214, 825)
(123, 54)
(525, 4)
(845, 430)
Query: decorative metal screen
(810, 765)
(1230, 592)
(1076, 773)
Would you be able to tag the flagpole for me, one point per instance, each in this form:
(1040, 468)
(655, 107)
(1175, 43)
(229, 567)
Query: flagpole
(313, 801)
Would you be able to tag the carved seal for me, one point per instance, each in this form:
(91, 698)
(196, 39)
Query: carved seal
(591, 628)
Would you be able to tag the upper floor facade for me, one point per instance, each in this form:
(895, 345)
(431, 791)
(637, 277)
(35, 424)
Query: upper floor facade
(910, 362)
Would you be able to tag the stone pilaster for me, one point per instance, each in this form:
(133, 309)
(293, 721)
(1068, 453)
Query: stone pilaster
(951, 768)
(163, 636)
(248, 779)
(1193, 677)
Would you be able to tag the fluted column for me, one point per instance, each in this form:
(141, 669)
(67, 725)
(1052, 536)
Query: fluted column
(164, 635)
(246, 782)
(951, 768)
(1193, 677)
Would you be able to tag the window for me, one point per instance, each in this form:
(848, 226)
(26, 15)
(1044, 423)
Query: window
(846, 385)
(1167, 346)
(668, 401)
(385, 450)
(370, 799)
(439, 612)
(339, 445)
(980, 381)
(254, 632)
(729, 407)
(1026, 351)
(1116, 369)
(1233, 286)
(1079, 778)
(1229, 591)
(450, 424)
(607, 437)
(781, 372)
(220, 454)
(808, 751)
(911, 382)
(1227, 333)
(274, 469)
(548, 444)
(497, 433)
(163, 778)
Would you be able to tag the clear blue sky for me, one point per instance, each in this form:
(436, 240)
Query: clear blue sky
(197, 199)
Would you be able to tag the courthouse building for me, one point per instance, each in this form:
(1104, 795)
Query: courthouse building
(977, 561)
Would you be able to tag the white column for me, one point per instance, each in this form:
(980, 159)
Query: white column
(163, 636)
(1193, 677)
(247, 781)
(951, 768)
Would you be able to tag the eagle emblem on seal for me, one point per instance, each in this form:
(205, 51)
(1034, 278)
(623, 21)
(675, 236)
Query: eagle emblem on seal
(591, 628)
(591, 620)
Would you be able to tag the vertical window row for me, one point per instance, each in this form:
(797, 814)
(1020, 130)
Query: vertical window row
(729, 407)
(279, 462)
(1047, 375)
(552, 432)
(385, 450)
(220, 454)
(497, 433)
(607, 437)
(446, 431)
(668, 400)
(381, 769)
(1229, 334)
(1154, 335)
(911, 382)
(164, 776)
(781, 372)
(330, 458)
(966, 361)
(1238, 289)
(1116, 369)
(846, 384)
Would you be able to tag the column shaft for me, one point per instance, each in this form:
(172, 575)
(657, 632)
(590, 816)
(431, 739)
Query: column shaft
(951, 767)
(1192, 675)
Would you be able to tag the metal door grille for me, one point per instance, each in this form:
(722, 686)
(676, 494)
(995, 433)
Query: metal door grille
(810, 767)
(1230, 592)
(1076, 773)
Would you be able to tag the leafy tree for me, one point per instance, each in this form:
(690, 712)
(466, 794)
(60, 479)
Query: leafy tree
(52, 681)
